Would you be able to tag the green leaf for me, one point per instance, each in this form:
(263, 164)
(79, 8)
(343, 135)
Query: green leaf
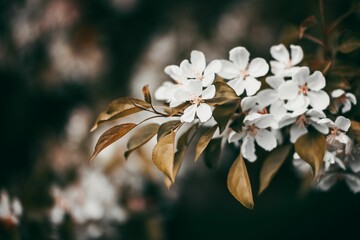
(146, 94)
(349, 41)
(224, 93)
(271, 165)
(120, 108)
(355, 128)
(204, 141)
(182, 147)
(163, 155)
(238, 183)
(166, 128)
(141, 136)
(212, 153)
(311, 148)
(305, 24)
(223, 113)
(110, 136)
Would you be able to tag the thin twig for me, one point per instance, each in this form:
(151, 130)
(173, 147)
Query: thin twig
(315, 40)
(337, 21)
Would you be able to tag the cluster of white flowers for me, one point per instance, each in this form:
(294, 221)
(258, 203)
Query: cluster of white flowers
(10, 210)
(295, 97)
(92, 198)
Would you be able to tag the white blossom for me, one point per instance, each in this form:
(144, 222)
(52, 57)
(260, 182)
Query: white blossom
(304, 90)
(284, 65)
(338, 130)
(198, 70)
(300, 122)
(255, 129)
(10, 211)
(242, 74)
(343, 99)
(195, 94)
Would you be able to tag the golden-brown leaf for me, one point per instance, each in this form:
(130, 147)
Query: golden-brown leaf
(110, 136)
(146, 94)
(140, 137)
(271, 165)
(204, 141)
(163, 155)
(355, 128)
(224, 93)
(238, 183)
(311, 148)
(223, 113)
(120, 108)
(167, 127)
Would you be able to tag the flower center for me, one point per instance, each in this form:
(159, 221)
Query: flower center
(341, 99)
(304, 89)
(244, 73)
(197, 100)
(301, 121)
(289, 64)
(252, 130)
(263, 111)
(199, 76)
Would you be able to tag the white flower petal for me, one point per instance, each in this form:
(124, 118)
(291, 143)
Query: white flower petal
(319, 100)
(343, 123)
(346, 107)
(265, 121)
(228, 70)
(235, 137)
(194, 87)
(182, 95)
(321, 128)
(316, 81)
(248, 102)
(296, 132)
(297, 54)
(187, 69)
(252, 118)
(166, 91)
(286, 120)
(209, 92)
(275, 81)
(327, 181)
(204, 112)
(351, 97)
(267, 96)
(198, 61)
(277, 68)
(301, 76)
(258, 67)
(315, 113)
(337, 93)
(213, 67)
(266, 140)
(238, 85)
(299, 104)
(208, 79)
(248, 149)
(353, 182)
(251, 85)
(288, 90)
(240, 57)
(175, 73)
(189, 114)
(280, 53)
(278, 110)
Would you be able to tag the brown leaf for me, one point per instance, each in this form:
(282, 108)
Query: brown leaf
(271, 165)
(238, 183)
(120, 108)
(311, 148)
(305, 24)
(175, 110)
(163, 155)
(224, 93)
(146, 94)
(355, 128)
(223, 113)
(349, 41)
(204, 141)
(166, 128)
(110, 136)
(212, 153)
(182, 147)
(141, 136)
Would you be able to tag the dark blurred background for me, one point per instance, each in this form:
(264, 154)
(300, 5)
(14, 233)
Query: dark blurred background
(63, 61)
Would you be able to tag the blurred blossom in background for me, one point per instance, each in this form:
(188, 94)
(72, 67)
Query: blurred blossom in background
(62, 61)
